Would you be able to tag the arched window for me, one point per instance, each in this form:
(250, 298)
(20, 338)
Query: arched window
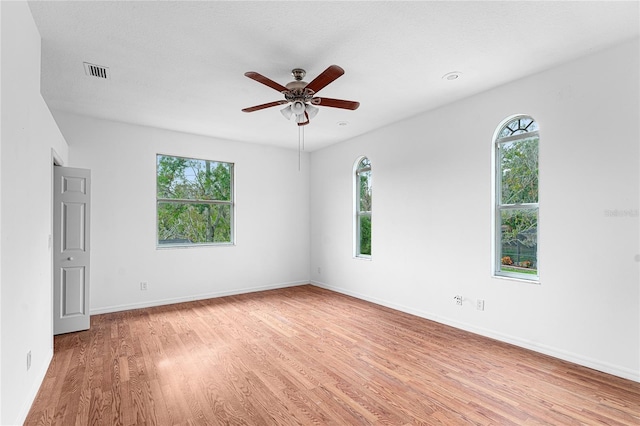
(516, 199)
(362, 207)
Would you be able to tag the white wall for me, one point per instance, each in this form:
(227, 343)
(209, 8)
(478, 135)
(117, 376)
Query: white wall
(29, 134)
(272, 216)
(432, 215)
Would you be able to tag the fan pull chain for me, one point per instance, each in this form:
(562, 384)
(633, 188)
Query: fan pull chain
(300, 145)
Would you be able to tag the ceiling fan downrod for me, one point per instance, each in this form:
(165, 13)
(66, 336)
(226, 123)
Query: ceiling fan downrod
(298, 73)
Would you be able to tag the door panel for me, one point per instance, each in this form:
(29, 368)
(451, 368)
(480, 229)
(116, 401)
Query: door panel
(73, 231)
(71, 244)
(73, 286)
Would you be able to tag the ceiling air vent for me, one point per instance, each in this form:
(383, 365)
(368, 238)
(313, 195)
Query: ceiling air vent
(98, 71)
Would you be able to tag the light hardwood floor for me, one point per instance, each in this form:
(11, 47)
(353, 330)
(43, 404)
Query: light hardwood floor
(305, 355)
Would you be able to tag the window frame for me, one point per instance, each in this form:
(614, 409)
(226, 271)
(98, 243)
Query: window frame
(230, 203)
(498, 207)
(357, 213)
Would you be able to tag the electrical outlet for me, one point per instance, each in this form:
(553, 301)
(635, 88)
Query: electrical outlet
(143, 286)
(458, 300)
(319, 270)
(28, 360)
(480, 305)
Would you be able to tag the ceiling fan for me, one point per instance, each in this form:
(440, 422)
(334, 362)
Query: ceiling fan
(301, 95)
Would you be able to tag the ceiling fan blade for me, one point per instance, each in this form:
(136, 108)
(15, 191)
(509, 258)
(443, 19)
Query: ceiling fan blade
(266, 81)
(326, 77)
(335, 103)
(263, 106)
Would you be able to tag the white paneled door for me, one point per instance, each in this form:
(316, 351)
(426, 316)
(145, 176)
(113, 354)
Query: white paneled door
(71, 249)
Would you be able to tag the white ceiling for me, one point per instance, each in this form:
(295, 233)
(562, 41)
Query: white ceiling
(180, 65)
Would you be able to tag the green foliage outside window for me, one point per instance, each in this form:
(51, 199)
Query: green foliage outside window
(194, 201)
(519, 168)
(365, 235)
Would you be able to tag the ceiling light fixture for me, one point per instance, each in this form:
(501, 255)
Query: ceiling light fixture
(286, 112)
(311, 111)
(303, 112)
(454, 75)
(297, 107)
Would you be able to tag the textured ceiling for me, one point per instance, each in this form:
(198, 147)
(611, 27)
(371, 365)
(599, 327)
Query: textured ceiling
(180, 65)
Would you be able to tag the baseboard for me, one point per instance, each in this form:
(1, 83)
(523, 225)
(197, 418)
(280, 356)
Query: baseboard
(625, 373)
(191, 298)
(33, 392)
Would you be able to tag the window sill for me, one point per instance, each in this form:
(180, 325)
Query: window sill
(191, 246)
(362, 257)
(522, 280)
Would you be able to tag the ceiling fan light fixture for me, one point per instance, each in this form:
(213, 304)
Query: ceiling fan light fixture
(311, 111)
(286, 112)
(297, 107)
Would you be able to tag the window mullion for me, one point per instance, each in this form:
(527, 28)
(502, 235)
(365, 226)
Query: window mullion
(517, 137)
(522, 206)
(193, 201)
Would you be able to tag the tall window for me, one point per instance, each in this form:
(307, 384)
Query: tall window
(516, 199)
(194, 201)
(362, 191)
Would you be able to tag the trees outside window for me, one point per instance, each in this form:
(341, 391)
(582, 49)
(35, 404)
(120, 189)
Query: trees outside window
(362, 186)
(194, 201)
(516, 199)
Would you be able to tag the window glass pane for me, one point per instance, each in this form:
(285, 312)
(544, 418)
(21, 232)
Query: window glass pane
(186, 178)
(519, 171)
(364, 163)
(365, 234)
(365, 191)
(187, 223)
(519, 241)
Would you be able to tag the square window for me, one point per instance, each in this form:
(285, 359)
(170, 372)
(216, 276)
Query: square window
(194, 201)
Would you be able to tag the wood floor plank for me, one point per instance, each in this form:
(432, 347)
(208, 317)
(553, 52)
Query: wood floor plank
(307, 356)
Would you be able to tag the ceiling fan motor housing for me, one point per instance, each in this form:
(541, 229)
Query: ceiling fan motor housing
(298, 92)
(297, 88)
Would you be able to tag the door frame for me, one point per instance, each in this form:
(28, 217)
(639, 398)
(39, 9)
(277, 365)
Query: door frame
(56, 160)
